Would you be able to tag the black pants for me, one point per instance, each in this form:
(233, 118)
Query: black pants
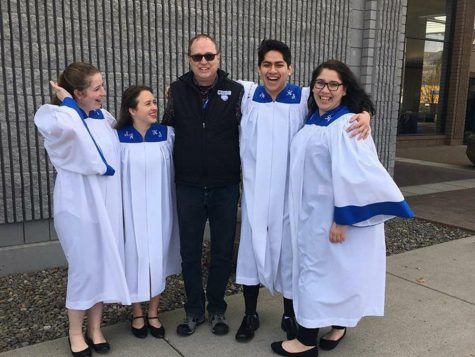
(308, 336)
(195, 205)
(251, 293)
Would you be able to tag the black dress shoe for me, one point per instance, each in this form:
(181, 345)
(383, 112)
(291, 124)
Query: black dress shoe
(277, 348)
(157, 332)
(249, 324)
(102, 347)
(290, 326)
(139, 332)
(328, 345)
(84, 353)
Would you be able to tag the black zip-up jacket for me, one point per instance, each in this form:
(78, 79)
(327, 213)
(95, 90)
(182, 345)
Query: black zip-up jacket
(206, 150)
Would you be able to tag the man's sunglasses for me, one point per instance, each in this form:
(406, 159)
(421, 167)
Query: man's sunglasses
(208, 57)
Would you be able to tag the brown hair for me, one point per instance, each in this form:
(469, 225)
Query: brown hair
(129, 100)
(202, 35)
(76, 76)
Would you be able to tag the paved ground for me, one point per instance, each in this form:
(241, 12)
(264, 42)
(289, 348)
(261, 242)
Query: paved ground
(430, 311)
(438, 183)
(430, 294)
(456, 208)
(415, 172)
(454, 155)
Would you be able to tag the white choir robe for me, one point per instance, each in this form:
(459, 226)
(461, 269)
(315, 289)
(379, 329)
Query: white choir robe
(266, 130)
(87, 201)
(338, 179)
(152, 249)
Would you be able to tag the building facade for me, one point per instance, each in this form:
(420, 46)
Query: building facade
(145, 41)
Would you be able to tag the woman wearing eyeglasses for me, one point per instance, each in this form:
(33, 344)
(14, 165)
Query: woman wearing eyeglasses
(340, 195)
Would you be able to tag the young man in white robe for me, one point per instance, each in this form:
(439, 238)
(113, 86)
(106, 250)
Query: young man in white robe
(272, 114)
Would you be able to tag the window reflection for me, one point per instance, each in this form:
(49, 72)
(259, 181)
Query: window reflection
(470, 113)
(424, 67)
(421, 89)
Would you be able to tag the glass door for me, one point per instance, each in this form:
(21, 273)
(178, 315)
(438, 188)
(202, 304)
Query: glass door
(426, 52)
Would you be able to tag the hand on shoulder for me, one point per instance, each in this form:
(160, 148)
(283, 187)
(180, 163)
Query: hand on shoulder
(360, 125)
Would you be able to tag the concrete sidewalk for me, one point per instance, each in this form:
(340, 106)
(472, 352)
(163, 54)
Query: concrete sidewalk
(430, 311)
(438, 183)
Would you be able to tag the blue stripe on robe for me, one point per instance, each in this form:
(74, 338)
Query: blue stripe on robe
(328, 117)
(349, 215)
(155, 133)
(291, 94)
(93, 114)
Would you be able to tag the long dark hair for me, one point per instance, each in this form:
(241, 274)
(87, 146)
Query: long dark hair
(129, 101)
(76, 76)
(356, 99)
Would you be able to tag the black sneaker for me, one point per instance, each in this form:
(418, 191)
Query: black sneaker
(249, 324)
(289, 325)
(188, 326)
(218, 323)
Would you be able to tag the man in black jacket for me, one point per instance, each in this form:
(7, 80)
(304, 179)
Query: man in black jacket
(204, 108)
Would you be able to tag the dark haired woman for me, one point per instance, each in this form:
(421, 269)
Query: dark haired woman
(83, 148)
(151, 234)
(340, 195)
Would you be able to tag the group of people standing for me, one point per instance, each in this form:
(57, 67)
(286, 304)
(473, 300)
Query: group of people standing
(132, 198)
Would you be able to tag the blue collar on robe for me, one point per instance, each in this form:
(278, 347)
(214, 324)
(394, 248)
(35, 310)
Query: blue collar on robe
(71, 103)
(94, 114)
(291, 94)
(327, 118)
(155, 133)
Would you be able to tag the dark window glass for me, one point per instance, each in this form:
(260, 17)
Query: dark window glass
(470, 114)
(425, 67)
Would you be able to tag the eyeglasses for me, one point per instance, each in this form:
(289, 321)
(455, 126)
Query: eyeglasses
(332, 86)
(199, 57)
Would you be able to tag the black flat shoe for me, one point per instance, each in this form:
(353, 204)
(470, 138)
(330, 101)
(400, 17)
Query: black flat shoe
(328, 345)
(289, 326)
(249, 324)
(157, 332)
(102, 347)
(139, 332)
(277, 348)
(84, 353)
